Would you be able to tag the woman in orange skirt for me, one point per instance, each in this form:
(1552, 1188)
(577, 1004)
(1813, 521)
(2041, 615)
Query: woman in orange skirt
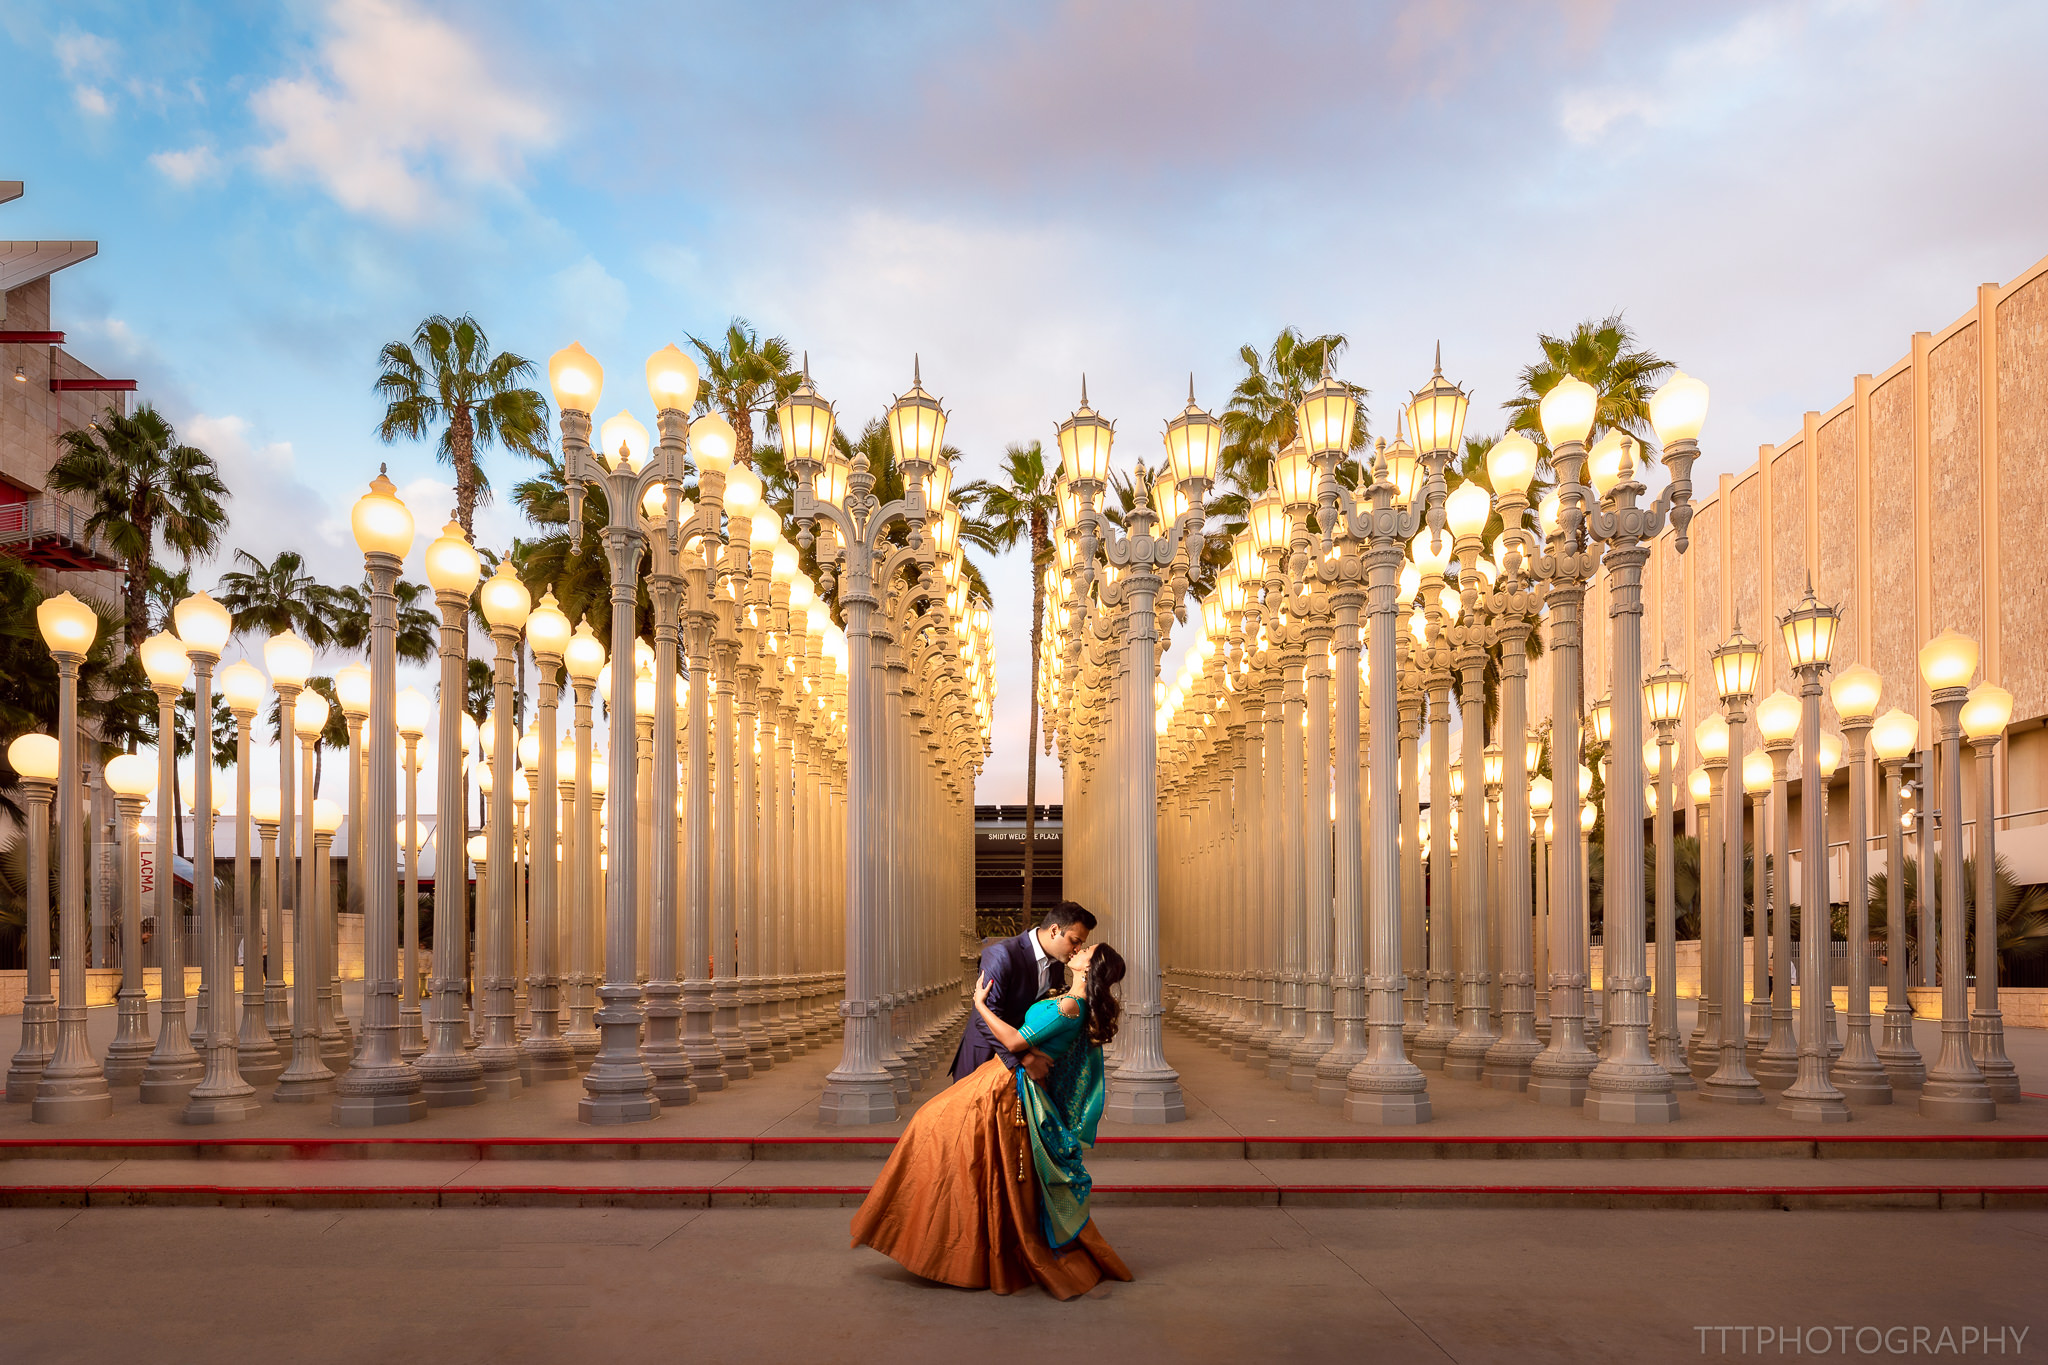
(986, 1188)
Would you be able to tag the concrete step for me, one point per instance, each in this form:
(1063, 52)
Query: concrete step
(1732, 1183)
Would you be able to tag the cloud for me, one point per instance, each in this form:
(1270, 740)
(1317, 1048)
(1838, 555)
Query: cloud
(91, 100)
(1699, 81)
(395, 106)
(187, 167)
(84, 59)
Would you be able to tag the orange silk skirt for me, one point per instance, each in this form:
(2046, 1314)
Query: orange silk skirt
(951, 1205)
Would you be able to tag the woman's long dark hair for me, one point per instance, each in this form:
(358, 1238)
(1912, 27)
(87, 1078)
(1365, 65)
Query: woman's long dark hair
(1105, 970)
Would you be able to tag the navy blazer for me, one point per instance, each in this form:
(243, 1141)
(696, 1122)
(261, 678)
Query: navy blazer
(1012, 970)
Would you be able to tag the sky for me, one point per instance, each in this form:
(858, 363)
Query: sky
(1776, 195)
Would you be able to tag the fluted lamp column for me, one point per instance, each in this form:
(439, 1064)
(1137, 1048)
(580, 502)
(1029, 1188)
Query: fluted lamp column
(171, 1068)
(307, 1078)
(414, 712)
(1858, 1073)
(1985, 714)
(1664, 697)
(1894, 736)
(243, 685)
(131, 778)
(545, 1049)
(1736, 663)
(34, 758)
(506, 604)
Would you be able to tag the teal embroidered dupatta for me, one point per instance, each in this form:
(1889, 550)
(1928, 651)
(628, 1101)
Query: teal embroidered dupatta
(1061, 1116)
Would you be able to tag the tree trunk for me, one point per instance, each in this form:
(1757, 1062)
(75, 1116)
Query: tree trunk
(319, 762)
(462, 442)
(742, 419)
(137, 595)
(1031, 736)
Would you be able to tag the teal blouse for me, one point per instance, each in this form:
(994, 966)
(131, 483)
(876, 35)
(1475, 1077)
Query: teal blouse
(1061, 1114)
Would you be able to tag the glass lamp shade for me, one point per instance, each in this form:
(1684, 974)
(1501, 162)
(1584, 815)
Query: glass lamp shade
(671, 380)
(712, 443)
(1326, 416)
(1603, 463)
(1586, 775)
(381, 521)
(623, 438)
(1511, 464)
(35, 756)
(288, 658)
(832, 480)
(1830, 754)
(1735, 666)
(1540, 795)
(1431, 552)
(604, 690)
(1270, 526)
(576, 378)
(1589, 816)
(1566, 412)
(1213, 619)
(479, 849)
(1295, 476)
(1756, 772)
(413, 711)
(945, 529)
(917, 428)
(529, 751)
(742, 491)
(565, 763)
(1229, 590)
(547, 629)
(506, 601)
(1678, 409)
(1948, 660)
(1809, 631)
(131, 775)
(818, 620)
(352, 690)
(1457, 783)
(471, 736)
(654, 504)
(1436, 415)
(309, 717)
(1987, 711)
(643, 696)
(164, 660)
(801, 594)
(938, 483)
(782, 561)
(584, 654)
(1404, 469)
(1777, 717)
(1168, 502)
(1664, 694)
(1245, 559)
(1894, 734)
(1856, 690)
(1649, 798)
(1194, 441)
(204, 624)
(600, 774)
(452, 563)
(1452, 602)
(1084, 440)
(1550, 513)
(1409, 583)
(1467, 508)
(1700, 785)
(1652, 757)
(1493, 763)
(1532, 751)
(806, 422)
(1600, 716)
(1069, 500)
(243, 686)
(266, 805)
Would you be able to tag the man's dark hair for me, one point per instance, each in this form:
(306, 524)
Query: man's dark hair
(1069, 913)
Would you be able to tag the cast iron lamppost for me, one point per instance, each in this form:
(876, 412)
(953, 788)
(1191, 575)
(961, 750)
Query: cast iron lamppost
(130, 778)
(1859, 1073)
(506, 604)
(1735, 668)
(546, 1053)
(1664, 694)
(307, 1078)
(414, 711)
(173, 1068)
(1984, 717)
(34, 758)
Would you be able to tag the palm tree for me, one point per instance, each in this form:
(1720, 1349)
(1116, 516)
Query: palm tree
(140, 483)
(267, 599)
(418, 628)
(1258, 422)
(1021, 505)
(447, 374)
(744, 376)
(1601, 352)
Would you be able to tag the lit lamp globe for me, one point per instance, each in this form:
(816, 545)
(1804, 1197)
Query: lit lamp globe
(1436, 415)
(529, 750)
(623, 440)
(576, 378)
(1735, 666)
(352, 689)
(487, 737)
(479, 850)
(547, 629)
(1431, 553)
(1986, 712)
(917, 429)
(164, 660)
(1295, 474)
(1664, 694)
(1948, 660)
(1777, 717)
(1270, 525)
(1550, 513)
(1701, 786)
(131, 775)
(469, 734)
(604, 689)
(1603, 463)
(1678, 409)
(1600, 719)
(35, 756)
(506, 602)
(310, 715)
(203, 624)
(326, 815)
(1566, 412)
(1194, 439)
(452, 563)
(243, 685)
(672, 380)
(382, 523)
(1830, 754)
(1894, 734)
(1589, 816)
(1467, 508)
(583, 655)
(1532, 751)
(266, 805)
(1652, 757)
(1511, 464)
(289, 659)
(782, 562)
(801, 596)
(1084, 440)
(742, 492)
(805, 421)
(643, 696)
(1540, 796)
(1855, 691)
(712, 443)
(1809, 631)
(1756, 772)
(1650, 798)
(413, 711)
(1404, 469)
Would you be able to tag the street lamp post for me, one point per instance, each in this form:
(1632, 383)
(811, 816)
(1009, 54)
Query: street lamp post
(380, 1087)
(506, 604)
(1859, 1073)
(34, 758)
(414, 710)
(1664, 695)
(1735, 668)
(307, 1078)
(449, 1075)
(1956, 1089)
(1984, 717)
(1777, 721)
(1809, 632)
(1710, 739)
(1894, 736)
(173, 1067)
(130, 778)
(546, 1053)
(259, 1059)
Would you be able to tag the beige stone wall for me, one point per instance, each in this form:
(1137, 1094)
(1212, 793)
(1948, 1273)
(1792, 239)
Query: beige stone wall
(2023, 494)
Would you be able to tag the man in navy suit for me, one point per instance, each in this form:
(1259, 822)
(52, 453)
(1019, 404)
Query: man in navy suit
(1021, 971)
